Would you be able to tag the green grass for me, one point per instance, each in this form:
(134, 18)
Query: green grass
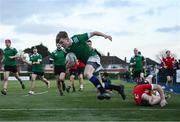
(79, 106)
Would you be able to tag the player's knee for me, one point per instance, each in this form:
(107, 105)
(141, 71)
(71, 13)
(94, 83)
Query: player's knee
(41, 78)
(61, 78)
(154, 101)
(80, 78)
(87, 75)
(168, 78)
(71, 78)
(151, 101)
(32, 80)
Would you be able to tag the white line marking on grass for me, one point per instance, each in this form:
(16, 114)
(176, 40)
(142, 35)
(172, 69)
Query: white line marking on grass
(84, 109)
(38, 93)
(160, 109)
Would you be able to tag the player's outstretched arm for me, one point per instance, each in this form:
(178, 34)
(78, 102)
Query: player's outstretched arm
(2, 60)
(14, 57)
(27, 62)
(163, 101)
(97, 33)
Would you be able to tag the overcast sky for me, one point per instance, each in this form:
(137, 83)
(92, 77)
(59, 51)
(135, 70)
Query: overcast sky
(149, 25)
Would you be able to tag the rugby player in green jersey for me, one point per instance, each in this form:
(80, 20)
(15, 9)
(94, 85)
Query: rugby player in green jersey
(137, 62)
(37, 70)
(58, 57)
(10, 65)
(78, 45)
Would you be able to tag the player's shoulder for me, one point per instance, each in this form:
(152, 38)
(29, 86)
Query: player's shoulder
(1, 50)
(163, 58)
(172, 58)
(64, 51)
(133, 57)
(78, 37)
(82, 34)
(55, 51)
(39, 55)
(31, 55)
(12, 48)
(142, 57)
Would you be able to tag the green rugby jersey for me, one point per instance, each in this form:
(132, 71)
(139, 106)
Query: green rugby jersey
(80, 48)
(9, 51)
(138, 60)
(37, 67)
(59, 57)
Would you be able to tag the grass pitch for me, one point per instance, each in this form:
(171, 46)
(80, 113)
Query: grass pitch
(47, 105)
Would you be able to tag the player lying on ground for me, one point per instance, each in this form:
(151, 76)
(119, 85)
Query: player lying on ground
(143, 94)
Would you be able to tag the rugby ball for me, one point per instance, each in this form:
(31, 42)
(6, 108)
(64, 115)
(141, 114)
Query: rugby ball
(71, 58)
(24, 56)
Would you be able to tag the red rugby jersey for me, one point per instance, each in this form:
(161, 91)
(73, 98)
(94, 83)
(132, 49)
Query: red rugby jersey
(169, 62)
(80, 64)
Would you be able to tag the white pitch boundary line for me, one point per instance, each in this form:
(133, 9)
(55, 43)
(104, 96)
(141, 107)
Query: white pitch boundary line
(86, 109)
(38, 93)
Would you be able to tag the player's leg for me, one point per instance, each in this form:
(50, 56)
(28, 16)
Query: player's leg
(81, 81)
(32, 85)
(43, 79)
(5, 82)
(60, 83)
(138, 77)
(171, 83)
(88, 72)
(59, 72)
(72, 77)
(118, 88)
(69, 85)
(135, 76)
(63, 85)
(168, 79)
(171, 79)
(19, 79)
(148, 79)
(142, 76)
(168, 73)
(153, 100)
(171, 76)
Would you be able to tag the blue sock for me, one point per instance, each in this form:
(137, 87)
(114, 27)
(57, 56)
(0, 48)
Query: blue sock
(97, 84)
(107, 86)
